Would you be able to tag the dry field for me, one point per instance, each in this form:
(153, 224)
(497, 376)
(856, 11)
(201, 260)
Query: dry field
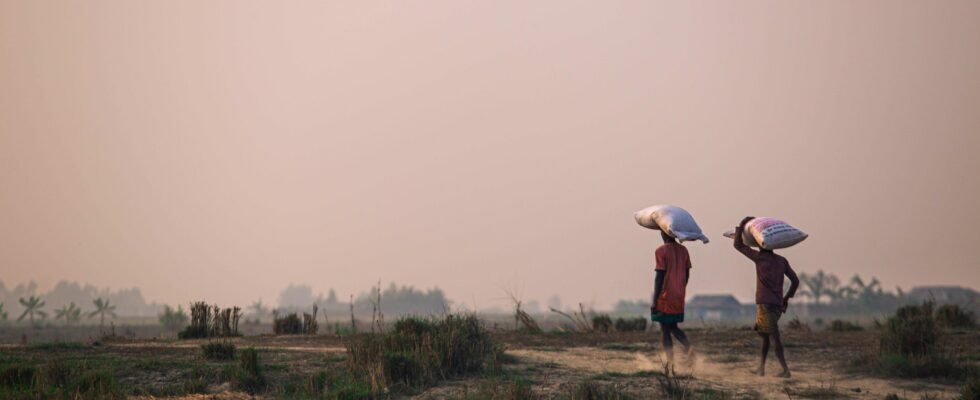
(552, 364)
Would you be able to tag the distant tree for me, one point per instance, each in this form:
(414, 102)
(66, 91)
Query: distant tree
(258, 309)
(296, 296)
(818, 285)
(402, 300)
(632, 307)
(332, 297)
(32, 305)
(3, 313)
(554, 302)
(102, 308)
(173, 320)
(70, 313)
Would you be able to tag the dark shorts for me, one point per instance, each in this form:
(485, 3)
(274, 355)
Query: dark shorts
(767, 318)
(667, 318)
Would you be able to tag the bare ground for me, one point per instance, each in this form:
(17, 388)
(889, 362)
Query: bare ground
(721, 368)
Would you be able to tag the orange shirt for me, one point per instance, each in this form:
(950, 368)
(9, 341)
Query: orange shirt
(674, 260)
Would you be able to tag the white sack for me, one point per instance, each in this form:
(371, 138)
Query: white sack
(675, 221)
(769, 233)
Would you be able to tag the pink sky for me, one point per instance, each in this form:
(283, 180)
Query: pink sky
(183, 146)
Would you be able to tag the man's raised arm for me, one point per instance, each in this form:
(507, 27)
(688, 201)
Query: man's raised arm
(740, 245)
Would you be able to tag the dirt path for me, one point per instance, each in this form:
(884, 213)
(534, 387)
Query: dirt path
(810, 379)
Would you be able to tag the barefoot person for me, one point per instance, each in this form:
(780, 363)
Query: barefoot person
(673, 270)
(769, 271)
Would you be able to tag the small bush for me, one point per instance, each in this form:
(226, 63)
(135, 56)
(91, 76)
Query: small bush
(288, 324)
(631, 324)
(908, 347)
(954, 316)
(913, 331)
(844, 326)
(211, 321)
(417, 353)
(602, 323)
(248, 375)
(218, 351)
(414, 326)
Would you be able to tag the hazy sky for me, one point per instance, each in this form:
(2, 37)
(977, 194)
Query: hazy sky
(221, 150)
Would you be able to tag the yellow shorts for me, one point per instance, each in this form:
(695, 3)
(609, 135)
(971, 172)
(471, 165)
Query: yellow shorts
(767, 320)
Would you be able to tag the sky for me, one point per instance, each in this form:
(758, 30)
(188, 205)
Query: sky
(222, 150)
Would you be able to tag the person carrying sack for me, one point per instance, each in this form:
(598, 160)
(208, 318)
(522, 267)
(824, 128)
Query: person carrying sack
(673, 269)
(770, 303)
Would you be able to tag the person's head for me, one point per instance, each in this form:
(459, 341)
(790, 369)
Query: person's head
(667, 238)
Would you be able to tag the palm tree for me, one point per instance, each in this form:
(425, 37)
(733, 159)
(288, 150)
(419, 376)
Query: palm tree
(102, 308)
(171, 319)
(258, 309)
(70, 313)
(819, 284)
(32, 305)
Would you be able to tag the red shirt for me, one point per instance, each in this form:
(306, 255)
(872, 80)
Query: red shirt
(674, 260)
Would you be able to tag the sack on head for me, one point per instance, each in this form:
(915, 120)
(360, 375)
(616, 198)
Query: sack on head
(674, 221)
(769, 233)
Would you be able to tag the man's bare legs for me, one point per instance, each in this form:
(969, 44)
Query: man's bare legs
(779, 355)
(681, 337)
(665, 331)
(765, 352)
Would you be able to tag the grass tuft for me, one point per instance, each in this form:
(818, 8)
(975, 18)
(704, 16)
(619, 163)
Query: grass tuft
(248, 375)
(419, 352)
(908, 347)
(218, 351)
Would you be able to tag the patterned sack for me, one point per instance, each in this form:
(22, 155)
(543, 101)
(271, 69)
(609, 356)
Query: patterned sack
(769, 233)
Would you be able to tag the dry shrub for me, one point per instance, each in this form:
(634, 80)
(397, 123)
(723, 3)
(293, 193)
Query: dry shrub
(288, 324)
(631, 324)
(291, 324)
(796, 325)
(419, 352)
(908, 347)
(523, 319)
(218, 350)
(954, 316)
(844, 326)
(248, 375)
(211, 321)
(602, 323)
(912, 332)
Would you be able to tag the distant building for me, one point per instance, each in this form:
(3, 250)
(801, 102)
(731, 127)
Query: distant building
(944, 294)
(714, 307)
